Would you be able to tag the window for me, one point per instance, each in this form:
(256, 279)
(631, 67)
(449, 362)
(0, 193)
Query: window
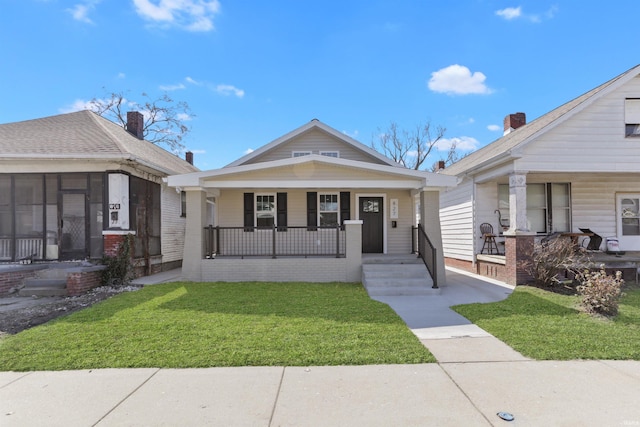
(265, 210)
(300, 153)
(183, 204)
(328, 212)
(548, 206)
(632, 117)
(335, 154)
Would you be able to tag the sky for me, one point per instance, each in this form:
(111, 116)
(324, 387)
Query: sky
(252, 71)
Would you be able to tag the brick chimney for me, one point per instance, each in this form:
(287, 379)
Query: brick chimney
(440, 165)
(135, 124)
(514, 121)
(188, 156)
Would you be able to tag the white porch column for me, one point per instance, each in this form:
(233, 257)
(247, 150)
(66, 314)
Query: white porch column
(430, 220)
(194, 235)
(518, 204)
(353, 230)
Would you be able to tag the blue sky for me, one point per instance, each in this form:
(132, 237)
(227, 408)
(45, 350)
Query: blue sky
(252, 71)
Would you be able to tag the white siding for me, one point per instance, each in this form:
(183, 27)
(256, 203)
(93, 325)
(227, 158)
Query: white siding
(172, 225)
(315, 141)
(456, 219)
(593, 140)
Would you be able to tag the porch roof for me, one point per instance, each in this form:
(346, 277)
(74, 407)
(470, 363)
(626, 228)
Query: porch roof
(313, 171)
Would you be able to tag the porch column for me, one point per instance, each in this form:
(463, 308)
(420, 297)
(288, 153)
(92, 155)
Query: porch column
(430, 220)
(519, 240)
(353, 230)
(194, 235)
(518, 203)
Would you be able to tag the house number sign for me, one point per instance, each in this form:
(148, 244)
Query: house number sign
(114, 206)
(394, 209)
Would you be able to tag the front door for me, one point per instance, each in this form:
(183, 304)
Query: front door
(73, 225)
(372, 216)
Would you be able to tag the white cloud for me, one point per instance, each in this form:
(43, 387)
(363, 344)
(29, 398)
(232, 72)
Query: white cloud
(121, 75)
(510, 13)
(248, 151)
(494, 128)
(458, 80)
(77, 105)
(229, 90)
(462, 143)
(191, 15)
(353, 134)
(192, 81)
(80, 11)
(170, 88)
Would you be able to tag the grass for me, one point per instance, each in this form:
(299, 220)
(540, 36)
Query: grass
(547, 326)
(185, 325)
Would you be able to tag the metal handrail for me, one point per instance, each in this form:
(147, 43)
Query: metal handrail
(427, 252)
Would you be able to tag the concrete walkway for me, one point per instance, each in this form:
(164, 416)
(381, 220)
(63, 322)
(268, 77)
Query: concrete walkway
(476, 378)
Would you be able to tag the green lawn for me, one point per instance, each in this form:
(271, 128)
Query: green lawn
(181, 325)
(547, 326)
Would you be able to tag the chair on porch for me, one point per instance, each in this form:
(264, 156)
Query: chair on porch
(489, 244)
(593, 240)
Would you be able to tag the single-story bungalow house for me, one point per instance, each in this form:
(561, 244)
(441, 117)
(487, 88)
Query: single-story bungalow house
(73, 185)
(305, 207)
(575, 168)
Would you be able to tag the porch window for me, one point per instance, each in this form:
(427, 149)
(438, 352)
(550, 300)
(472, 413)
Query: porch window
(548, 206)
(632, 117)
(328, 212)
(265, 210)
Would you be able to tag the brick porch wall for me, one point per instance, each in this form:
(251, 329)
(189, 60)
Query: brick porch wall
(81, 281)
(12, 279)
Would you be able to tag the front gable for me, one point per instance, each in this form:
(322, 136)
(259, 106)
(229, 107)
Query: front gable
(314, 138)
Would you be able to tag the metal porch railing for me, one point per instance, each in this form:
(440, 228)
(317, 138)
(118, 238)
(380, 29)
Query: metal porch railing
(274, 241)
(426, 251)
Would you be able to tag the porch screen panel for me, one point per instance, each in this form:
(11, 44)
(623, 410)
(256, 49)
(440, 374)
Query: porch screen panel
(6, 218)
(96, 212)
(29, 196)
(52, 219)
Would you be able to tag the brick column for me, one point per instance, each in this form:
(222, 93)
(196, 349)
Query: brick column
(112, 240)
(518, 249)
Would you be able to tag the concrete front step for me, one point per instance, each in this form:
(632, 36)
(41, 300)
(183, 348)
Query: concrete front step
(390, 259)
(397, 279)
(44, 287)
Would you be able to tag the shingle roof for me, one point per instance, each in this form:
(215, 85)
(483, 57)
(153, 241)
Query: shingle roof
(510, 141)
(83, 135)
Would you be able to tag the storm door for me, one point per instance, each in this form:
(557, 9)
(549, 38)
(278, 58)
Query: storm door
(372, 216)
(73, 225)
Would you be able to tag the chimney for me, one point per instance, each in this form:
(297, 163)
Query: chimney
(188, 156)
(514, 121)
(135, 124)
(440, 165)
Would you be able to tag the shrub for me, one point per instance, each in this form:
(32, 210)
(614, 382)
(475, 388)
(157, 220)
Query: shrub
(119, 268)
(600, 292)
(552, 259)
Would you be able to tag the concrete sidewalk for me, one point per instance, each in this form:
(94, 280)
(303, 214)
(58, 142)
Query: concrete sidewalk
(589, 393)
(477, 377)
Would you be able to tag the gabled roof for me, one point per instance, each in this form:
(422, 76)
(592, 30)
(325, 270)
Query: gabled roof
(505, 147)
(314, 124)
(83, 135)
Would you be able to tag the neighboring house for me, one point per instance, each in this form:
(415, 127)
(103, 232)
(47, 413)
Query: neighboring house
(577, 166)
(305, 207)
(73, 185)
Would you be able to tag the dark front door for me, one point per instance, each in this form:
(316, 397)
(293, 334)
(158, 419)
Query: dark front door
(73, 225)
(371, 214)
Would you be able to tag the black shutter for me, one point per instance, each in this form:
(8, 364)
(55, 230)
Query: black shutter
(281, 203)
(345, 207)
(248, 211)
(312, 211)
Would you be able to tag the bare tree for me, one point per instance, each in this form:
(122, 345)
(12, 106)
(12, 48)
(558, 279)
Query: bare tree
(164, 118)
(409, 148)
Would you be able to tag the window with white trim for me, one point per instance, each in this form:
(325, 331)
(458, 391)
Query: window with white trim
(632, 117)
(548, 206)
(335, 154)
(300, 153)
(329, 210)
(265, 210)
